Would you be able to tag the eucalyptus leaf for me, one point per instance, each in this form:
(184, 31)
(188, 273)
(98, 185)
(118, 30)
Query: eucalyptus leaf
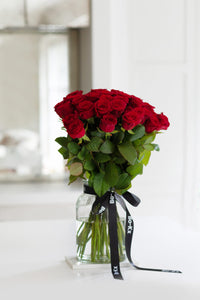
(76, 169)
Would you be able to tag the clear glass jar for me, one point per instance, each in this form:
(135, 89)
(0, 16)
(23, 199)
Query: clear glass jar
(92, 234)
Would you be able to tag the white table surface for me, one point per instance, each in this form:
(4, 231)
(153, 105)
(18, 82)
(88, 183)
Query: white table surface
(32, 262)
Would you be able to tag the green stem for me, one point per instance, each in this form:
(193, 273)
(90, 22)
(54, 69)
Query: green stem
(96, 231)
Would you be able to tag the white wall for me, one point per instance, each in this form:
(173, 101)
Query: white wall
(149, 48)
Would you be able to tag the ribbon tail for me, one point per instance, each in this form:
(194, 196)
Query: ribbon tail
(114, 252)
(128, 240)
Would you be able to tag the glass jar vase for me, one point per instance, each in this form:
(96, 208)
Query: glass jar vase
(92, 234)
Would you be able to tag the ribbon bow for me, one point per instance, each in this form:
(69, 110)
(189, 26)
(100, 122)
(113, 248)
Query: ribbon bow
(108, 201)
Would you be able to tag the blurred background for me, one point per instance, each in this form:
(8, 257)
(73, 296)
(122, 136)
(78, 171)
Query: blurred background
(146, 48)
(149, 48)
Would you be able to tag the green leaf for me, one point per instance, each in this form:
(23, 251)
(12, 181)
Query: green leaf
(128, 151)
(144, 157)
(114, 131)
(82, 154)
(107, 147)
(135, 170)
(64, 152)
(117, 138)
(156, 147)
(149, 147)
(100, 134)
(130, 131)
(91, 121)
(86, 138)
(76, 169)
(148, 138)
(94, 144)
(119, 160)
(120, 192)
(87, 174)
(139, 131)
(89, 165)
(63, 141)
(72, 160)
(73, 147)
(111, 173)
(72, 178)
(123, 182)
(100, 185)
(101, 157)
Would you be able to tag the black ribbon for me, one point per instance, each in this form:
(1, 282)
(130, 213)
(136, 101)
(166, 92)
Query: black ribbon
(108, 201)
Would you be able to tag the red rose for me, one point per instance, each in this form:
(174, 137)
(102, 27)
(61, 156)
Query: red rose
(63, 109)
(132, 118)
(118, 106)
(149, 107)
(73, 95)
(148, 111)
(95, 94)
(119, 93)
(135, 102)
(152, 123)
(70, 118)
(108, 122)
(103, 105)
(85, 109)
(164, 122)
(156, 122)
(74, 98)
(75, 128)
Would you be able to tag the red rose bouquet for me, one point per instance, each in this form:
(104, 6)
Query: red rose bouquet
(110, 136)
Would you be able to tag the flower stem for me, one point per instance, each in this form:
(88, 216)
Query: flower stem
(93, 241)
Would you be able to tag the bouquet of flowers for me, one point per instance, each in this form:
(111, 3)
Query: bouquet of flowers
(110, 136)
